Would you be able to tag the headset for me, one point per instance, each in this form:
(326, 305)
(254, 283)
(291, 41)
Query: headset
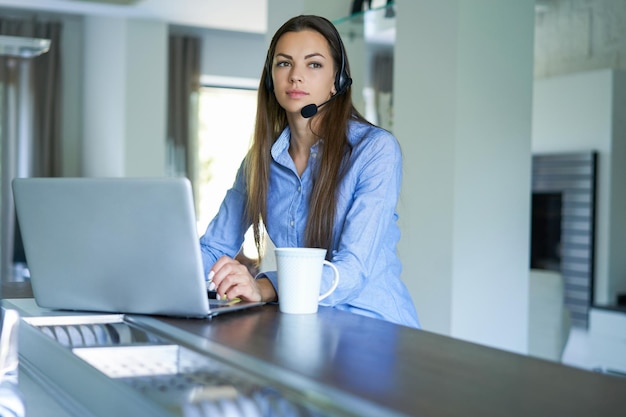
(342, 78)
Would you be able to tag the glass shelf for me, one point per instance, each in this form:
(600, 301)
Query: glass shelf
(369, 39)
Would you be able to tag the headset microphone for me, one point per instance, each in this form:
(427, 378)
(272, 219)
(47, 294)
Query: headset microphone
(310, 110)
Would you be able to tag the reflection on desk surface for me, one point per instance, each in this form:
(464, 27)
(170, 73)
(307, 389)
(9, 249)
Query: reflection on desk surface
(358, 366)
(181, 380)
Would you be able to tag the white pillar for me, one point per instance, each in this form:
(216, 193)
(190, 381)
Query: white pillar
(462, 104)
(125, 97)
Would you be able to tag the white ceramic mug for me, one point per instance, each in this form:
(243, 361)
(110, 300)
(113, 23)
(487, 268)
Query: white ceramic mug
(300, 277)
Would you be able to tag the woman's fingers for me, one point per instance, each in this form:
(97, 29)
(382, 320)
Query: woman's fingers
(233, 280)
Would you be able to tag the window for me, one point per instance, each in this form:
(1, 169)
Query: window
(226, 126)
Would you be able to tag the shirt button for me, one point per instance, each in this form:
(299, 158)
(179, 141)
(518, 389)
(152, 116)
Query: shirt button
(291, 223)
(299, 188)
(314, 155)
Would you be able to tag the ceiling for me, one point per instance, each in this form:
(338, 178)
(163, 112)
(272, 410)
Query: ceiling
(239, 15)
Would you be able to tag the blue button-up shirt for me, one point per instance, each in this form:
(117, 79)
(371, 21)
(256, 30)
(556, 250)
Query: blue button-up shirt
(365, 232)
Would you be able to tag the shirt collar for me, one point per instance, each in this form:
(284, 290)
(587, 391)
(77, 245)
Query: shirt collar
(281, 144)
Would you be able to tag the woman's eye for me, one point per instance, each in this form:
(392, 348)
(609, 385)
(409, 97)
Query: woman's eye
(282, 64)
(315, 65)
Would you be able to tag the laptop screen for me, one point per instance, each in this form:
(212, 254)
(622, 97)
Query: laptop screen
(112, 244)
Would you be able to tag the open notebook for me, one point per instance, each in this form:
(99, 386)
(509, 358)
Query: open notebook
(123, 245)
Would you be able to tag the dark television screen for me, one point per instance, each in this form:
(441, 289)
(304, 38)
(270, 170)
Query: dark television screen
(545, 236)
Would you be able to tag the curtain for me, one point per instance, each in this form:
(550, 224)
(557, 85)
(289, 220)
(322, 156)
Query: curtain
(183, 91)
(31, 142)
(45, 91)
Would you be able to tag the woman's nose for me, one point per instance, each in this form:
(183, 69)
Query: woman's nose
(295, 75)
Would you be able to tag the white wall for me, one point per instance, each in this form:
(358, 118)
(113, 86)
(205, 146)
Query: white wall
(463, 82)
(227, 53)
(146, 98)
(232, 54)
(581, 112)
(104, 97)
(239, 15)
(279, 11)
(124, 96)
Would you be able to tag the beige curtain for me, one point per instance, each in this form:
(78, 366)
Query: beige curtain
(183, 90)
(31, 138)
(45, 90)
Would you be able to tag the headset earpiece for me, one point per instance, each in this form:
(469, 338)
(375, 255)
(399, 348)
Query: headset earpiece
(342, 79)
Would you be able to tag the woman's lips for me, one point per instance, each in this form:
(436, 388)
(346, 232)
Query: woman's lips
(296, 93)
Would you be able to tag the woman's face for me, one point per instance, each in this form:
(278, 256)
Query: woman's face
(303, 70)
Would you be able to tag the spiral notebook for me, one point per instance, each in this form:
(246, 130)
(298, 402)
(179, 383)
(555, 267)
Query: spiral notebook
(122, 245)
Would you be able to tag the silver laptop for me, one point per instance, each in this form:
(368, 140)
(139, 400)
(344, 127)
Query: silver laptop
(123, 245)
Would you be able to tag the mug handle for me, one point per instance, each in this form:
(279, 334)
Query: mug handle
(335, 281)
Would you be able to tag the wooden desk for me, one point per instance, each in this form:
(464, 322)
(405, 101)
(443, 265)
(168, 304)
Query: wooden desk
(412, 372)
(376, 368)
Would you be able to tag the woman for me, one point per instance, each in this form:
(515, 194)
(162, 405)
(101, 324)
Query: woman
(317, 175)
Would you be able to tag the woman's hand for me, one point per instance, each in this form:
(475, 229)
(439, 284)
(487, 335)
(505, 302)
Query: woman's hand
(233, 280)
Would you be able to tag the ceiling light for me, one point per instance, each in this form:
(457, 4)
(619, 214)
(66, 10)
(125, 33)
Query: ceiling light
(21, 47)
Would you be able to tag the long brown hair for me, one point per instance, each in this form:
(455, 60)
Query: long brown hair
(271, 120)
